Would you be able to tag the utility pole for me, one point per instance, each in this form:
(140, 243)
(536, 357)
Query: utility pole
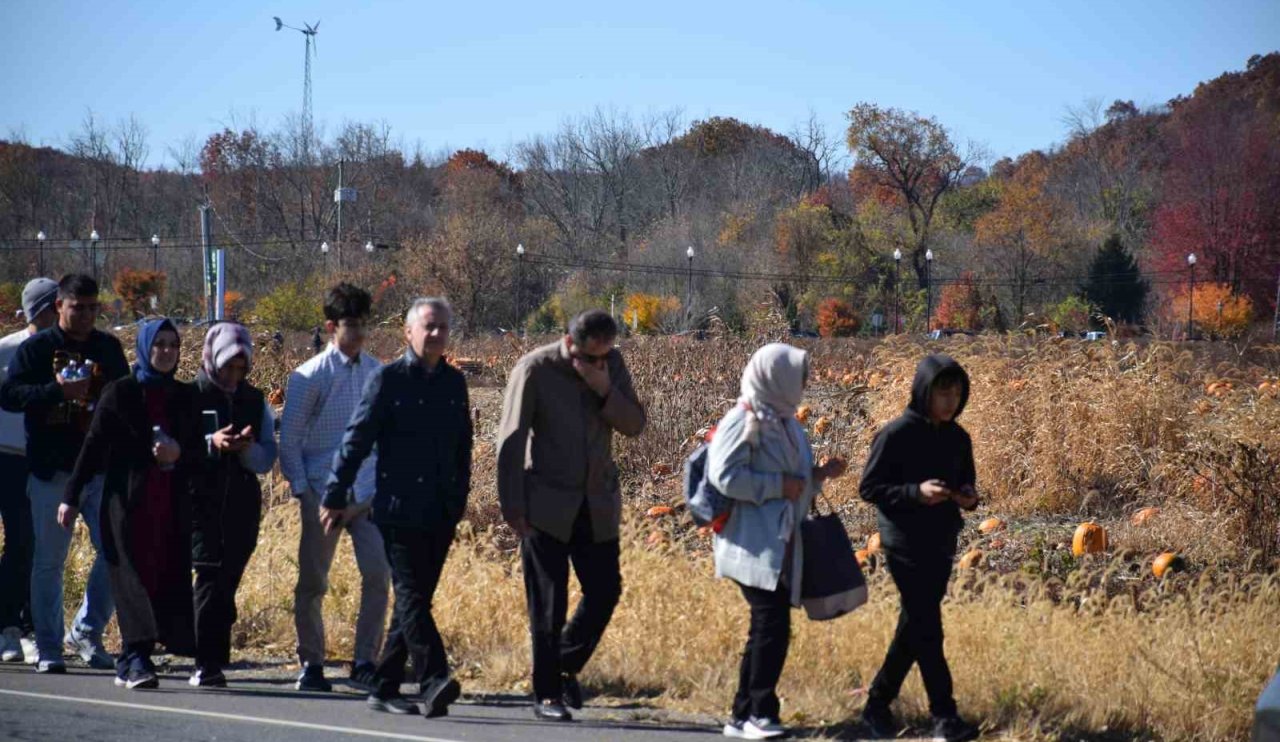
(210, 270)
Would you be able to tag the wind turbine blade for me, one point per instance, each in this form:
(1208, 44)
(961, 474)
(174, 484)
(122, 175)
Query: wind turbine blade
(316, 27)
(279, 23)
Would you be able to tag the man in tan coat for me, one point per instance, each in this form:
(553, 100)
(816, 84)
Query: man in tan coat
(558, 488)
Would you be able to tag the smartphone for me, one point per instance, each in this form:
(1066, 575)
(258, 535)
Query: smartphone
(210, 418)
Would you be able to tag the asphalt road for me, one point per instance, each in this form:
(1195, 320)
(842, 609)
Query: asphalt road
(85, 706)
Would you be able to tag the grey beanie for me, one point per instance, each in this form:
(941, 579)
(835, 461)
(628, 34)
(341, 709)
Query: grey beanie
(37, 296)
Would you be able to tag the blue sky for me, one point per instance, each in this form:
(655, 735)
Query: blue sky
(488, 74)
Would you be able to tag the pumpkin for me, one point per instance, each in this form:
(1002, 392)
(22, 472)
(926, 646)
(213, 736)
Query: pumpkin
(990, 525)
(659, 511)
(1143, 516)
(971, 559)
(873, 543)
(1166, 563)
(661, 469)
(863, 556)
(1090, 538)
(802, 413)
(822, 426)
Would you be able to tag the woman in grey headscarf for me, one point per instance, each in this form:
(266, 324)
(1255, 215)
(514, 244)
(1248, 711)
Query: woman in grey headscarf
(760, 458)
(227, 498)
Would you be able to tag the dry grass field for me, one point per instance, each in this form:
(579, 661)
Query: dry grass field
(1043, 645)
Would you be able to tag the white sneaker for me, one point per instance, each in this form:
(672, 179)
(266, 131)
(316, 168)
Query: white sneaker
(51, 667)
(29, 652)
(11, 645)
(755, 729)
(90, 650)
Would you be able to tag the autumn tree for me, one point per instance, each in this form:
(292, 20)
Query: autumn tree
(912, 157)
(962, 305)
(136, 288)
(836, 318)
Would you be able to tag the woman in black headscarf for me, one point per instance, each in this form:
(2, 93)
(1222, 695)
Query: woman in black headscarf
(146, 437)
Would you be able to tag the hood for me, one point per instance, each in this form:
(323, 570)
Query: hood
(928, 370)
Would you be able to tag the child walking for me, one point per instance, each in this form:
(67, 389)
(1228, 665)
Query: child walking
(919, 475)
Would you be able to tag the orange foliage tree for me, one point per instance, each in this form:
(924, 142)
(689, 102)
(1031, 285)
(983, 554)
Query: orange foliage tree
(962, 306)
(136, 287)
(1231, 321)
(836, 318)
(647, 312)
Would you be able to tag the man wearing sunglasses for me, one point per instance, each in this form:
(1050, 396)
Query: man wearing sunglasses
(558, 488)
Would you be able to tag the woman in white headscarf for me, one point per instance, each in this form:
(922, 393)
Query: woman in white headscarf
(760, 458)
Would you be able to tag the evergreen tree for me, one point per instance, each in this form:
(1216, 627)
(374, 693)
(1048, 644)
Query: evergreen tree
(1115, 285)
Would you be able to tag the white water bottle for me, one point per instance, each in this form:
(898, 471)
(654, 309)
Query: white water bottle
(157, 437)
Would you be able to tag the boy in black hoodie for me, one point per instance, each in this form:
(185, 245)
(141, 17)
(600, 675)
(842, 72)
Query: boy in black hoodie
(919, 475)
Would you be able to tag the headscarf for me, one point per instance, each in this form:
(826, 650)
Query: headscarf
(774, 378)
(225, 341)
(143, 371)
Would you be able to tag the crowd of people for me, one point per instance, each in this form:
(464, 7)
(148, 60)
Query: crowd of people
(165, 474)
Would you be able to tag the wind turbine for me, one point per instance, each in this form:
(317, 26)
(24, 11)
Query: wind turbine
(308, 31)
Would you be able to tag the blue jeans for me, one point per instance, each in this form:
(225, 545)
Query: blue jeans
(52, 542)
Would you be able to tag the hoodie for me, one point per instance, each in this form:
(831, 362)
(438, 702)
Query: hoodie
(910, 450)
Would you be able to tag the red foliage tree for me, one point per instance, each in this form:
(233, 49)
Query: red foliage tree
(836, 318)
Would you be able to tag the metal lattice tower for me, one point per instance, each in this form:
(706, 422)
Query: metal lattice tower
(309, 32)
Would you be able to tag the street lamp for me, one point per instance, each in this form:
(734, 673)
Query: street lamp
(155, 253)
(928, 291)
(40, 237)
(689, 300)
(93, 253)
(368, 247)
(1191, 295)
(1220, 305)
(519, 286)
(897, 311)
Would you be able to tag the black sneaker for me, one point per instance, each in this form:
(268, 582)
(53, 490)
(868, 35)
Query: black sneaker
(398, 705)
(571, 689)
(437, 696)
(312, 679)
(953, 729)
(137, 677)
(880, 722)
(364, 677)
(207, 677)
(551, 711)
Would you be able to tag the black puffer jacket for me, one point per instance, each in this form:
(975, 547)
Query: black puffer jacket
(910, 450)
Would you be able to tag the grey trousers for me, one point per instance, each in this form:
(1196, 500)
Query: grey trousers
(315, 557)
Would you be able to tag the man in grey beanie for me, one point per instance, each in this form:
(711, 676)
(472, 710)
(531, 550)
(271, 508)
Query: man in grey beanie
(15, 510)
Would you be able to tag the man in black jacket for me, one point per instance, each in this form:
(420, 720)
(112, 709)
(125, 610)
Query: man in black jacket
(417, 411)
(57, 412)
(919, 475)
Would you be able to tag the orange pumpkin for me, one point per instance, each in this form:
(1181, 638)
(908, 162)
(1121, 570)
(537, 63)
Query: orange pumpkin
(660, 469)
(1144, 516)
(659, 511)
(1166, 563)
(802, 413)
(863, 556)
(971, 559)
(822, 426)
(1090, 538)
(990, 525)
(873, 543)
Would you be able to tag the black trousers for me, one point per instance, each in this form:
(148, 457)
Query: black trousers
(559, 648)
(19, 544)
(922, 584)
(417, 558)
(768, 639)
(216, 584)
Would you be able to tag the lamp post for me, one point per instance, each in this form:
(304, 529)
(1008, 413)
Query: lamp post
(368, 247)
(689, 291)
(155, 253)
(897, 310)
(1220, 306)
(1191, 295)
(928, 291)
(93, 253)
(519, 286)
(40, 237)
(324, 254)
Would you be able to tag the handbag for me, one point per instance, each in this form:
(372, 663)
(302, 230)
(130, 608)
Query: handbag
(831, 581)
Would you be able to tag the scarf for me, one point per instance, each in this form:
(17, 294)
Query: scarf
(225, 341)
(143, 371)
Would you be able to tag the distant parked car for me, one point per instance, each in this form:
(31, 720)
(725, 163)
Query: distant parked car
(804, 334)
(947, 332)
(1095, 335)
